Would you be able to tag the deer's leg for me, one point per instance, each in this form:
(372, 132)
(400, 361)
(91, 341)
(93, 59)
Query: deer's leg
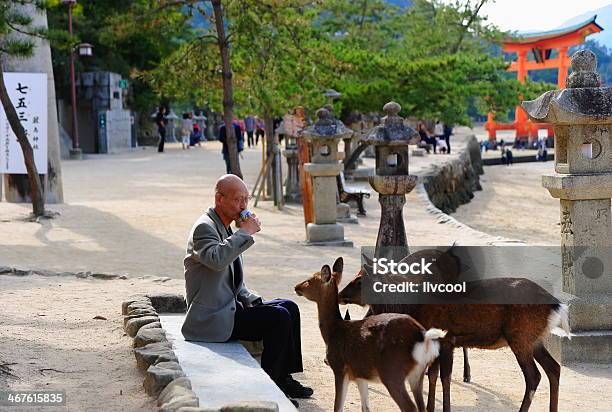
(415, 378)
(432, 377)
(341, 387)
(397, 389)
(446, 370)
(531, 374)
(553, 372)
(467, 376)
(362, 385)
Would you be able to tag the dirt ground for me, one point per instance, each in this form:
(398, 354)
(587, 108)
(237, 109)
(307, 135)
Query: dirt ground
(131, 213)
(513, 203)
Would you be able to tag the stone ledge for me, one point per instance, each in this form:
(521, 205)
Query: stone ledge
(8, 270)
(591, 347)
(453, 183)
(164, 376)
(208, 367)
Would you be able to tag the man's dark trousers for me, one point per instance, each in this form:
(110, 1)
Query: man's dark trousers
(162, 139)
(277, 323)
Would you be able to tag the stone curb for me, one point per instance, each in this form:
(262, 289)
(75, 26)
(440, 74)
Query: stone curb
(8, 270)
(469, 164)
(164, 377)
(155, 357)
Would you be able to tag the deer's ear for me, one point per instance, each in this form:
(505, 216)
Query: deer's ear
(325, 273)
(338, 265)
(337, 277)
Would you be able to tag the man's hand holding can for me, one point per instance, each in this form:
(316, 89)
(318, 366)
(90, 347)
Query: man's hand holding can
(249, 222)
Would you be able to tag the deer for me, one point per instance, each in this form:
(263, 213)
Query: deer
(390, 348)
(522, 327)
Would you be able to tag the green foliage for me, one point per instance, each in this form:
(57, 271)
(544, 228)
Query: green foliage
(14, 22)
(433, 58)
(277, 61)
(122, 43)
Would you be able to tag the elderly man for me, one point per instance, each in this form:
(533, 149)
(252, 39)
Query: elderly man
(220, 307)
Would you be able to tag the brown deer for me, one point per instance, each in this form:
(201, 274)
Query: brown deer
(487, 326)
(387, 347)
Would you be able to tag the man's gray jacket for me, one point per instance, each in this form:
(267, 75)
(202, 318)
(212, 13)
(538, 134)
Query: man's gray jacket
(214, 279)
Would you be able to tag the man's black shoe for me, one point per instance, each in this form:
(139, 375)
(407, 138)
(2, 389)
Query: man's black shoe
(294, 389)
(294, 402)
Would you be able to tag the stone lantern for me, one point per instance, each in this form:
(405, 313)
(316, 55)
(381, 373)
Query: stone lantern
(582, 118)
(324, 166)
(392, 179)
(292, 124)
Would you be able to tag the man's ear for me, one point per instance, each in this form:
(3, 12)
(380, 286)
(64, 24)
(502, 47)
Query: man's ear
(325, 273)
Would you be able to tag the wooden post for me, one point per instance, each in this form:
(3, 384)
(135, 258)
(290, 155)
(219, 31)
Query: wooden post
(305, 181)
(563, 66)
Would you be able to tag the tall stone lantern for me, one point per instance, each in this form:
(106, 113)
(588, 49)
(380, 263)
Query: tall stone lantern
(582, 118)
(392, 179)
(325, 165)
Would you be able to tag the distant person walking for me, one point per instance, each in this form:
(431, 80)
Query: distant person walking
(161, 122)
(223, 140)
(249, 125)
(186, 129)
(259, 130)
(506, 156)
(439, 129)
(448, 131)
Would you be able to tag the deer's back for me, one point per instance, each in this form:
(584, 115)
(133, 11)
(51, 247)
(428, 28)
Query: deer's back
(362, 347)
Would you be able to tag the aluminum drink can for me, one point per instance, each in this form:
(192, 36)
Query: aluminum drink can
(245, 214)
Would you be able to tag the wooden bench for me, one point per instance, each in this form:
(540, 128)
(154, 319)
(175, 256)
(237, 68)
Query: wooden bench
(347, 194)
(222, 373)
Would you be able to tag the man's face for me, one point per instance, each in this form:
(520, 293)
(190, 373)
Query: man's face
(233, 201)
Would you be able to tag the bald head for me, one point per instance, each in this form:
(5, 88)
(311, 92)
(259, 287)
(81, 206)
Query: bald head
(231, 197)
(229, 184)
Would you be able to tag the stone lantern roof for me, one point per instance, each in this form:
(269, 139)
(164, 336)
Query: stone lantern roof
(582, 102)
(392, 131)
(326, 127)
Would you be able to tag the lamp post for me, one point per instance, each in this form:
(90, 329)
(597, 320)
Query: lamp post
(84, 49)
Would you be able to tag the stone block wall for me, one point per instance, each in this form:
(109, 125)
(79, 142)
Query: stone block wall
(453, 184)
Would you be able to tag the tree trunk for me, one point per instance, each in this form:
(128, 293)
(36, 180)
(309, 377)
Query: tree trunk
(36, 194)
(228, 93)
(17, 186)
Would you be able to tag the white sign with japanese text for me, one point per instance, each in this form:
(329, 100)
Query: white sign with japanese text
(28, 92)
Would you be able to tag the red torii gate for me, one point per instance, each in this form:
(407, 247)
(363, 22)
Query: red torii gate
(540, 45)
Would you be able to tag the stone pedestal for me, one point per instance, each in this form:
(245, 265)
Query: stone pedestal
(392, 197)
(324, 167)
(325, 230)
(343, 214)
(392, 180)
(582, 117)
(292, 184)
(76, 154)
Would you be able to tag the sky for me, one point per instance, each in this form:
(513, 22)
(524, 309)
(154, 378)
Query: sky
(537, 15)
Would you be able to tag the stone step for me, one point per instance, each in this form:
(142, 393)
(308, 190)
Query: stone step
(222, 373)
